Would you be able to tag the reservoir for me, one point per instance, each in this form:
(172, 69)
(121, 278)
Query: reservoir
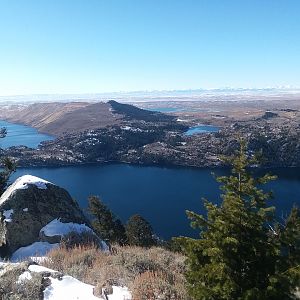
(202, 129)
(159, 194)
(21, 135)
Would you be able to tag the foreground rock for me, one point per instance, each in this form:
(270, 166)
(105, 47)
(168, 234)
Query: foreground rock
(35, 214)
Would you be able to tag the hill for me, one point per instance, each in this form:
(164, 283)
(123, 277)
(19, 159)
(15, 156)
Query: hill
(63, 118)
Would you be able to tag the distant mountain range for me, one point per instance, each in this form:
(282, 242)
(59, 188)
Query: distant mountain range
(137, 96)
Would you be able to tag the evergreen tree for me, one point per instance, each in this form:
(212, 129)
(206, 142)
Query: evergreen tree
(7, 167)
(242, 252)
(105, 223)
(139, 232)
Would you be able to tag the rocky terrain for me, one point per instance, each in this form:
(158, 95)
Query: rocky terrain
(134, 135)
(34, 213)
(35, 216)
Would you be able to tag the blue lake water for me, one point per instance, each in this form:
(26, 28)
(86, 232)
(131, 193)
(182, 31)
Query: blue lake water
(202, 129)
(161, 195)
(21, 135)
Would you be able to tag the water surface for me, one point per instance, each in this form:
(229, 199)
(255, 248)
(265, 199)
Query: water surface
(202, 129)
(161, 195)
(18, 135)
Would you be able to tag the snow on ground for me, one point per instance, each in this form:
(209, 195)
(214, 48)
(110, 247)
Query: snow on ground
(7, 214)
(120, 293)
(22, 183)
(35, 249)
(56, 227)
(69, 288)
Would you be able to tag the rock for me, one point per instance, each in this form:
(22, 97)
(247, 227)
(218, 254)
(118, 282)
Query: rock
(28, 205)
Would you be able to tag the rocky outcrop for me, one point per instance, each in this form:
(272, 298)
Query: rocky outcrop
(30, 204)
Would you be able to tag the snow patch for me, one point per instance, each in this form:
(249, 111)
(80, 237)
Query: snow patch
(7, 214)
(69, 288)
(24, 276)
(39, 269)
(35, 249)
(25, 209)
(22, 183)
(56, 227)
(120, 293)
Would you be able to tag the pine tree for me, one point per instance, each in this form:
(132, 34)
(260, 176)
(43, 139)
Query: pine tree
(242, 252)
(105, 223)
(8, 167)
(139, 232)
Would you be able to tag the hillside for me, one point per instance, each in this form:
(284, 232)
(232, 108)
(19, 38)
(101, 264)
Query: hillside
(63, 118)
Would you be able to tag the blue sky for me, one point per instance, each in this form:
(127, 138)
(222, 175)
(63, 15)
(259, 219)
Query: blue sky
(90, 46)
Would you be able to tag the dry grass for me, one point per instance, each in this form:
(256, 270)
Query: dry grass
(157, 270)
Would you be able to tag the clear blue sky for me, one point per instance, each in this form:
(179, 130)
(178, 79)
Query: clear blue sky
(89, 46)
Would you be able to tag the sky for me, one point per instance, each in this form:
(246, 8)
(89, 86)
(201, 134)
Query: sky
(95, 46)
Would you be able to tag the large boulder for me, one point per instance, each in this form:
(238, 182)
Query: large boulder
(32, 206)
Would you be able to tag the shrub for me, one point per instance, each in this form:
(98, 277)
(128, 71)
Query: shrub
(123, 266)
(84, 238)
(157, 285)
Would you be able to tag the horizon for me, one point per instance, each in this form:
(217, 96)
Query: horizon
(75, 47)
(222, 94)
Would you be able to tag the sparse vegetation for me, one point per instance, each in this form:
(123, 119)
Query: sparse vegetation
(125, 265)
(12, 288)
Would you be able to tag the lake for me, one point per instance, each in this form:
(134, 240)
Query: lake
(201, 129)
(161, 195)
(21, 135)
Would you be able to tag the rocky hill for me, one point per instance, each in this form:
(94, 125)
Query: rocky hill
(64, 118)
(34, 215)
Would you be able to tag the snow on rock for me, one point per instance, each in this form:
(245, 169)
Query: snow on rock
(56, 227)
(22, 183)
(39, 269)
(25, 209)
(37, 248)
(69, 288)
(120, 293)
(7, 214)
